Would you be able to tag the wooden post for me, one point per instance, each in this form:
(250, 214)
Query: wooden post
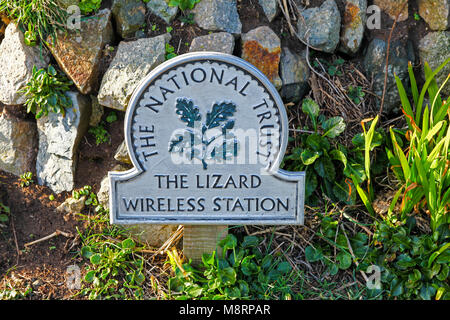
(200, 239)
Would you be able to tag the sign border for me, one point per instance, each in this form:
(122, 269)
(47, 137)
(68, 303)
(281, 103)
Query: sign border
(273, 168)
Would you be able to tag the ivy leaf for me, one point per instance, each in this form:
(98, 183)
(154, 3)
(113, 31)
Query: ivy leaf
(219, 114)
(266, 262)
(89, 277)
(317, 142)
(311, 183)
(188, 112)
(344, 259)
(95, 259)
(312, 254)
(284, 267)
(227, 276)
(128, 244)
(86, 252)
(333, 127)
(308, 157)
(230, 242)
(325, 168)
(355, 170)
(342, 192)
(396, 287)
(339, 156)
(427, 291)
(250, 241)
(404, 261)
(183, 4)
(358, 141)
(311, 108)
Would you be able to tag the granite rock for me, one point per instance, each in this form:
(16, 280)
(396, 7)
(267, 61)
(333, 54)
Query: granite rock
(294, 72)
(72, 205)
(67, 3)
(375, 67)
(320, 26)
(162, 9)
(79, 53)
(18, 144)
(122, 155)
(393, 7)
(132, 62)
(16, 65)
(217, 42)
(270, 8)
(434, 49)
(261, 47)
(218, 15)
(129, 16)
(436, 13)
(59, 137)
(96, 113)
(353, 25)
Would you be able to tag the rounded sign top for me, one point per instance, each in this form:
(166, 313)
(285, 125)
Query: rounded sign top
(206, 109)
(206, 133)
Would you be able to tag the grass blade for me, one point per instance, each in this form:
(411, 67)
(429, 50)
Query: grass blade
(405, 101)
(401, 156)
(429, 79)
(412, 80)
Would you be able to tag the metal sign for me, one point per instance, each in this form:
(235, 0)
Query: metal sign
(206, 133)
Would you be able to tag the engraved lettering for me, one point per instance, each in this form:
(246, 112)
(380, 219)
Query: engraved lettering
(202, 77)
(214, 75)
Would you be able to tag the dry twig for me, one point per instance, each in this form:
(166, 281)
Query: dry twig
(15, 239)
(54, 234)
(387, 56)
(174, 238)
(351, 252)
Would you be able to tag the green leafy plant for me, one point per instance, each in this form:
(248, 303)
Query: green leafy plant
(337, 248)
(4, 213)
(335, 170)
(115, 270)
(100, 134)
(243, 272)
(112, 117)
(26, 179)
(46, 92)
(318, 156)
(11, 293)
(91, 198)
(30, 37)
(332, 68)
(170, 52)
(88, 6)
(187, 18)
(356, 176)
(413, 266)
(183, 4)
(38, 18)
(108, 262)
(356, 94)
(423, 169)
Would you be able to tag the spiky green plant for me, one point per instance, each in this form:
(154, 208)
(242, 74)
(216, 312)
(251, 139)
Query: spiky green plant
(37, 18)
(423, 167)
